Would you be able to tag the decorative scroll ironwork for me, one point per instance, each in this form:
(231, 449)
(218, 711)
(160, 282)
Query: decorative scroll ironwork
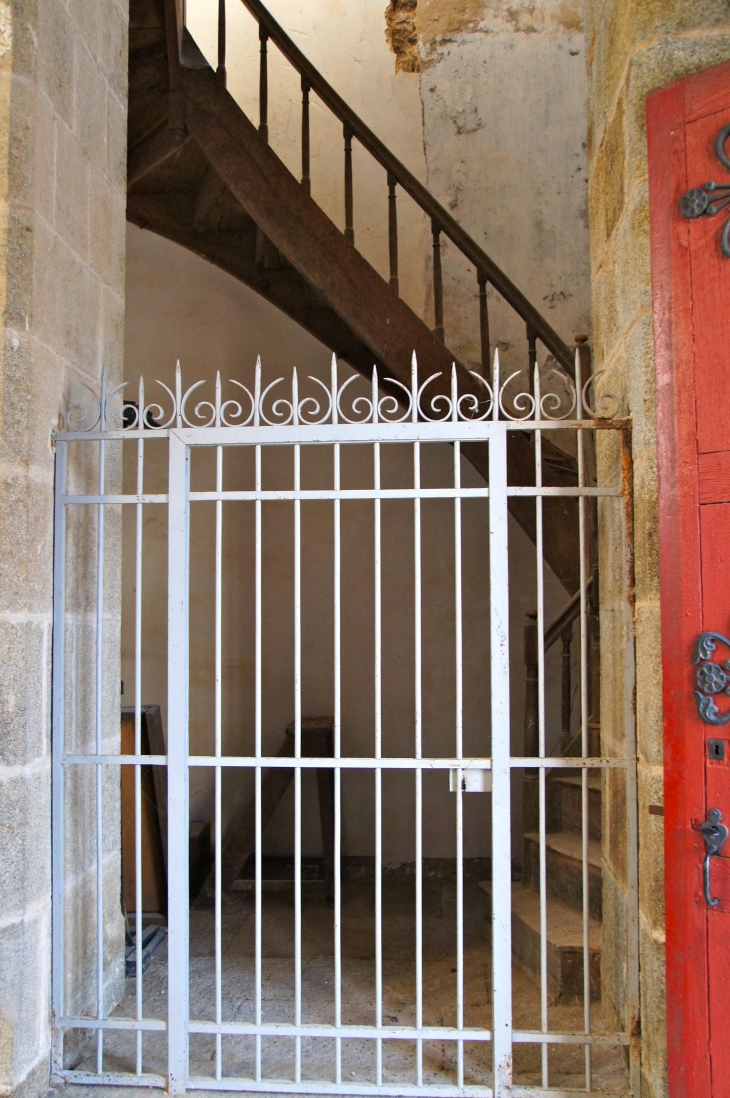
(709, 199)
(273, 405)
(711, 678)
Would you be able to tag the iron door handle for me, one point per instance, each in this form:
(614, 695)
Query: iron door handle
(714, 832)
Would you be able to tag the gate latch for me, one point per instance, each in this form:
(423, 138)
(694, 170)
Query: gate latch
(715, 834)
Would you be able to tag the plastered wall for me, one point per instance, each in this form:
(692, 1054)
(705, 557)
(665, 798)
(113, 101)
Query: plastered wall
(180, 306)
(503, 94)
(633, 48)
(62, 197)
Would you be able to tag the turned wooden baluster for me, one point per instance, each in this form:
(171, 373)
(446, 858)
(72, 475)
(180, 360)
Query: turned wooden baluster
(438, 287)
(221, 70)
(306, 180)
(264, 86)
(531, 359)
(530, 783)
(484, 324)
(393, 233)
(565, 691)
(349, 226)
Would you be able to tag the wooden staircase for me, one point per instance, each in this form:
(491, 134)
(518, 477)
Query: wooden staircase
(564, 882)
(203, 175)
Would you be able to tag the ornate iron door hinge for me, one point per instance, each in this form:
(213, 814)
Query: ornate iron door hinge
(711, 678)
(712, 197)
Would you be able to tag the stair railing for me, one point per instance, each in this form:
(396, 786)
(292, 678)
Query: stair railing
(397, 175)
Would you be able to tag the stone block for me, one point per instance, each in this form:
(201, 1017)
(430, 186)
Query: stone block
(614, 825)
(56, 56)
(113, 329)
(25, 809)
(652, 18)
(24, 702)
(634, 270)
(87, 16)
(113, 47)
(25, 543)
(107, 230)
(45, 157)
(71, 207)
(116, 139)
(89, 105)
(649, 706)
(653, 1011)
(25, 962)
(70, 321)
(614, 952)
(651, 848)
(613, 157)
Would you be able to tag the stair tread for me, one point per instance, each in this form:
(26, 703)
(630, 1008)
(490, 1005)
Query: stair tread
(594, 781)
(564, 924)
(570, 844)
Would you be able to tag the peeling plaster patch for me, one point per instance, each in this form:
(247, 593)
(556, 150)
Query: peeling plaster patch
(443, 19)
(6, 29)
(402, 36)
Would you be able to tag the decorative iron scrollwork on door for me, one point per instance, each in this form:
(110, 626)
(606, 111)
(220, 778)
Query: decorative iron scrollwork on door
(709, 199)
(711, 678)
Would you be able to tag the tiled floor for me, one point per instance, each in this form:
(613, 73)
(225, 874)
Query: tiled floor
(358, 992)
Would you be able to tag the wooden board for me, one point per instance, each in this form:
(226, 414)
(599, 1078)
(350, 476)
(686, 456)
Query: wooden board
(691, 304)
(154, 883)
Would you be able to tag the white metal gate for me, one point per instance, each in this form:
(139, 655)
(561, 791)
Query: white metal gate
(107, 1033)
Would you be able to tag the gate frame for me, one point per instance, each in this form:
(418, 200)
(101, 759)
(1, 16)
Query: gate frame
(181, 440)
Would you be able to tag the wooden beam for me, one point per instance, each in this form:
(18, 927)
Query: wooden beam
(152, 151)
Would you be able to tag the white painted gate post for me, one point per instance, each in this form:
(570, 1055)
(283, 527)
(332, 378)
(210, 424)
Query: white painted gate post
(501, 751)
(177, 763)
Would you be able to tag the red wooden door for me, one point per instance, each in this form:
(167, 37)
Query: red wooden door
(691, 302)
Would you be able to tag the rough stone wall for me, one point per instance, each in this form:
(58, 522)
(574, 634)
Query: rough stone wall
(62, 213)
(634, 46)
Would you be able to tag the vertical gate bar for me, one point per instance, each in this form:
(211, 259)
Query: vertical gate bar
(138, 733)
(218, 735)
(542, 823)
(306, 179)
(177, 762)
(584, 749)
(501, 814)
(58, 718)
(263, 84)
(337, 735)
(378, 706)
(257, 721)
(459, 718)
(297, 737)
(99, 750)
(393, 233)
(418, 724)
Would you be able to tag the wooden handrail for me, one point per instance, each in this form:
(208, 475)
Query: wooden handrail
(485, 266)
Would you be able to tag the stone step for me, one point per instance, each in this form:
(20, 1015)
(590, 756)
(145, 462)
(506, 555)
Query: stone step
(564, 942)
(568, 792)
(565, 868)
